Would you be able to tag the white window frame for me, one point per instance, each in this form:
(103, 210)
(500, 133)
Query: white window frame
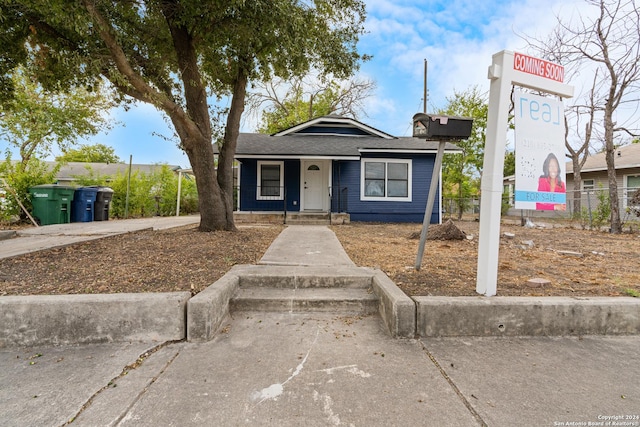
(386, 198)
(591, 187)
(627, 192)
(280, 196)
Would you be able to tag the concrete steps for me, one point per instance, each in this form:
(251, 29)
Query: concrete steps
(308, 219)
(313, 289)
(339, 289)
(295, 277)
(323, 300)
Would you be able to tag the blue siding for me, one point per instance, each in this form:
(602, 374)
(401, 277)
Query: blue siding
(248, 187)
(347, 174)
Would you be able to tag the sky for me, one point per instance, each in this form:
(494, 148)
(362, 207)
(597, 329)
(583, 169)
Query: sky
(456, 37)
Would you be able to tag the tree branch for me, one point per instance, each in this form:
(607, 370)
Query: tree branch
(148, 93)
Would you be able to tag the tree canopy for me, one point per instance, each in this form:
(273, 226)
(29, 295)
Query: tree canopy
(461, 172)
(96, 153)
(295, 101)
(35, 119)
(175, 54)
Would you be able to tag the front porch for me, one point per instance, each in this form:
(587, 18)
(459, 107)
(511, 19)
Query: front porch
(300, 218)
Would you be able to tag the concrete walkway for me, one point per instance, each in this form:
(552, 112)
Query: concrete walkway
(54, 235)
(310, 245)
(323, 369)
(274, 369)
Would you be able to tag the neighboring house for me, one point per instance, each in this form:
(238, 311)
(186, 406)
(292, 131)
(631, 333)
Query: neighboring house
(337, 164)
(593, 177)
(593, 174)
(70, 171)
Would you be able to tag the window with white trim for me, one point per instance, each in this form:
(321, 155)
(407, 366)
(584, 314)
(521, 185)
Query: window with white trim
(632, 184)
(270, 181)
(588, 184)
(385, 180)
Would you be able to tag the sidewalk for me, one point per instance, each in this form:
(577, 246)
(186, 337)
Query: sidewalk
(268, 369)
(48, 236)
(282, 369)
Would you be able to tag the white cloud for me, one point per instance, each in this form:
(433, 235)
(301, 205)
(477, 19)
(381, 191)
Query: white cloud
(457, 37)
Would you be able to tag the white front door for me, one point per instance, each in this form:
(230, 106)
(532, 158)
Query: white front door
(313, 181)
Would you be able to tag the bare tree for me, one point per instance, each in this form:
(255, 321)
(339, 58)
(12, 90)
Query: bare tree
(283, 103)
(580, 115)
(610, 45)
(579, 154)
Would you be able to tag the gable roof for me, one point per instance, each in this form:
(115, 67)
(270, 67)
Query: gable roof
(253, 144)
(334, 125)
(330, 137)
(625, 157)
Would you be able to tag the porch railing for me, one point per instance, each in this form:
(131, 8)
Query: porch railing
(267, 198)
(339, 199)
(276, 199)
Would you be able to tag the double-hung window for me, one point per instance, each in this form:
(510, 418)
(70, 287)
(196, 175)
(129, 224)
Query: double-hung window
(386, 180)
(270, 181)
(632, 185)
(588, 185)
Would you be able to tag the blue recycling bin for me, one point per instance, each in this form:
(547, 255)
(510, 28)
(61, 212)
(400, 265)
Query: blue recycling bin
(82, 207)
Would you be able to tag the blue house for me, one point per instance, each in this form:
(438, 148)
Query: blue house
(334, 164)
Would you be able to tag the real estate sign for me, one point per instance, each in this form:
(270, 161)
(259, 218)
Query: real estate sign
(543, 123)
(540, 165)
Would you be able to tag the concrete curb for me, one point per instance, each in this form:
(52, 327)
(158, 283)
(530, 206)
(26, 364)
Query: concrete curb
(8, 234)
(207, 310)
(398, 311)
(298, 277)
(83, 319)
(526, 316)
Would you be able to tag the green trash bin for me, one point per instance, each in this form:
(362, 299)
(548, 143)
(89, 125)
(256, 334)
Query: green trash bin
(51, 203)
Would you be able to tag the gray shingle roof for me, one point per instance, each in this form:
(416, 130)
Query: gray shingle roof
(252, 144)
(625, 157)
(72, 169)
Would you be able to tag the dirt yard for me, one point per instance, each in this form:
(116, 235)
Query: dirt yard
(576, 262)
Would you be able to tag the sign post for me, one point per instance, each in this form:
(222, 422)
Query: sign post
(507, 69)
(443, 128)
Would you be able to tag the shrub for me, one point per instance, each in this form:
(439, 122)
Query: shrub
(152, 194)
(601, 214)
(20, 178)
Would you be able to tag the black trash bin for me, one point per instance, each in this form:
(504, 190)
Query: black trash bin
(101, 207)
(83, 203)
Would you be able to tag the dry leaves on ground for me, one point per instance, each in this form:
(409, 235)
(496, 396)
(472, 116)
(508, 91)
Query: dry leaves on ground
(180, 259)
(601, 264)
(184, 259)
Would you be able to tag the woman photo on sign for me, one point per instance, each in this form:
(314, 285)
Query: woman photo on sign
(551, 182)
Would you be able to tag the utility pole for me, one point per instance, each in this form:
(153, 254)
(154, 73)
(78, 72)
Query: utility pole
(424, 110)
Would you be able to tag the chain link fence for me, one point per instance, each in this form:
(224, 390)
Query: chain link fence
(591, 207)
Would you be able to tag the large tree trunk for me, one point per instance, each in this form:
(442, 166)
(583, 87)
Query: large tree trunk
(194, 127)
(213, 212)
(616, 225)
(230, 142)
(194, 130)
(577, 196)
(199, 150)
